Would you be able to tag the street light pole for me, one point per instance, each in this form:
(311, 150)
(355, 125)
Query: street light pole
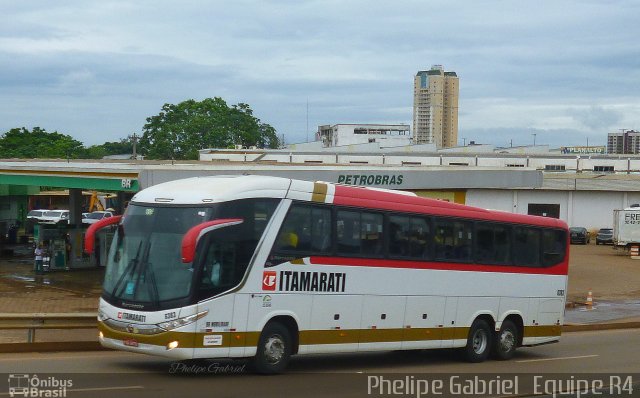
(534, 138)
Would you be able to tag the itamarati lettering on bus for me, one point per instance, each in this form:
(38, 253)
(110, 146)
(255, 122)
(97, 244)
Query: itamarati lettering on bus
(374, 179)
(131, 317)
(308, 281)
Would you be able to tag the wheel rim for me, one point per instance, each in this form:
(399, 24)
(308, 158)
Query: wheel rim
(480, 341)
(507, 340)
(274, 349)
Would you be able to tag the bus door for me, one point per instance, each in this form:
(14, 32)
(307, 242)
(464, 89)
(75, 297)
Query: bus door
(221, 264)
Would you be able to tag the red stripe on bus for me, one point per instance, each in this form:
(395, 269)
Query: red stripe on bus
(375, 199)
(560, 269)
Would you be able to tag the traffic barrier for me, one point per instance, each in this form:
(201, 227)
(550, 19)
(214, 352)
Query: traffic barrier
(33, 322)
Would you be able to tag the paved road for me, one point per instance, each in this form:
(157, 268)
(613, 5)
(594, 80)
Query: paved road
(109, 374)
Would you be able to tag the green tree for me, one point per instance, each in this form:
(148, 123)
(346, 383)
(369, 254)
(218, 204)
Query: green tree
(124, 146)
(37, 143)
(179, 131)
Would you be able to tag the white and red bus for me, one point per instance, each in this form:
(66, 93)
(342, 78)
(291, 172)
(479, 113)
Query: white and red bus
(266, 267)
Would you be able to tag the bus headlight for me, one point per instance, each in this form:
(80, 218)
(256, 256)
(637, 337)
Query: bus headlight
(172, 345)
(177, 323)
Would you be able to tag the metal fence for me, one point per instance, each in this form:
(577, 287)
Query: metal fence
(33, 322)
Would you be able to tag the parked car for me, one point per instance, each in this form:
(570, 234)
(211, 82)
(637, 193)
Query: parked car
(605, 235)
(579, 235)
(55, 217)
(36, 214)
(96, 216)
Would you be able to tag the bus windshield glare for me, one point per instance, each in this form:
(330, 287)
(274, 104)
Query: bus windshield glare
(144, 265)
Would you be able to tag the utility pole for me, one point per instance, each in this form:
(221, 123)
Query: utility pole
(134, 140)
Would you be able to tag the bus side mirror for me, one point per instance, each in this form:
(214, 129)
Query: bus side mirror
(191, 238)
(90, 235)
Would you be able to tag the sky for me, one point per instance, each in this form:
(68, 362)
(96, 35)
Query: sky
(567, 71)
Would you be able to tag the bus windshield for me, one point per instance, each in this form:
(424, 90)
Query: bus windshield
(144, 265)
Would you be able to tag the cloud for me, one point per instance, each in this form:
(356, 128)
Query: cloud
(98, 70)
(596, 117)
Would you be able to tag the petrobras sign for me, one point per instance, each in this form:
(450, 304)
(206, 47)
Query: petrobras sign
(371, 179)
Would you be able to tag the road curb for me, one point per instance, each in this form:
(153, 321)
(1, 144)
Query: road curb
(586, 327)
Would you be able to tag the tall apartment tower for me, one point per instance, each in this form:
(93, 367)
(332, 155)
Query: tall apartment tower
(435, 107)
(624, 142)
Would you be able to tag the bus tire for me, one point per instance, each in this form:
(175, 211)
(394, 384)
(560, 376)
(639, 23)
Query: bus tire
(479, 341)
(506, 341)
(274, 349)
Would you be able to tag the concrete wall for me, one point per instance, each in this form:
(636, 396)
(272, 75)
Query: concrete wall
(589, 209)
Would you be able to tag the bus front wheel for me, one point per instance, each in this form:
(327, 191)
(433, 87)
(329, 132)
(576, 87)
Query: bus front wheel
(479, 341)
(506, 341)
(274, 349)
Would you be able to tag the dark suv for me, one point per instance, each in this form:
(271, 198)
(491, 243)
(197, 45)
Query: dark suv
(605, 235)
(579, 235)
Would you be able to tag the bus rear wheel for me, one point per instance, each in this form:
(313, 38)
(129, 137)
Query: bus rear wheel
(506, 341)
(478, 345)
(274, 349)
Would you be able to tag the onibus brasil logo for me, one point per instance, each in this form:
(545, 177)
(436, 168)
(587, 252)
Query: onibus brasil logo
(24, 385)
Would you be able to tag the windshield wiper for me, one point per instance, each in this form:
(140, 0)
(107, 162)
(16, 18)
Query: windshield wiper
(130, 269)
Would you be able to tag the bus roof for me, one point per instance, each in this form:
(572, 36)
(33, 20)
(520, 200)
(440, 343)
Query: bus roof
(212, 189)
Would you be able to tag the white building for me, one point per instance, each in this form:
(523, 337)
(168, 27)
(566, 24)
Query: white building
(354, 134)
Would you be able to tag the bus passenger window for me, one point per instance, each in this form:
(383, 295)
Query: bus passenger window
(399, 230)
(371, 234)
(321, 230)
(419, 238)
(409, 237)
(360, 233)
(554, 246)
(348, 225)
(492, 244)
(305, 229)
(526, 247)
(453, 240)
(292, 231)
